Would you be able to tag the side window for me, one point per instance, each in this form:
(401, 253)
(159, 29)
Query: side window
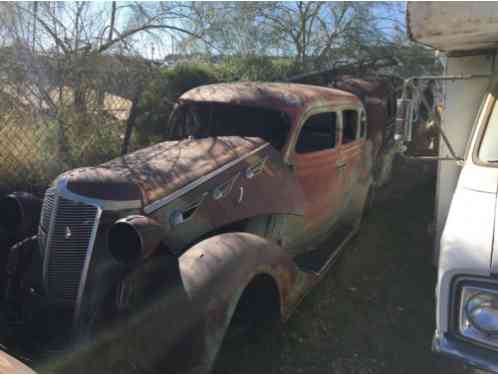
(349, 126)
(363, 124)
(317, 133)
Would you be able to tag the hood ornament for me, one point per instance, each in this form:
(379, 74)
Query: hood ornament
(68, 233)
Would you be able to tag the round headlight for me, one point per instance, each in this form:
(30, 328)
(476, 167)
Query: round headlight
(482, 312)
(134, 238)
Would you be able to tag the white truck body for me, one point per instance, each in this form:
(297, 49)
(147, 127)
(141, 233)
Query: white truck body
(454, 25)
(462, 100)
(466, 195)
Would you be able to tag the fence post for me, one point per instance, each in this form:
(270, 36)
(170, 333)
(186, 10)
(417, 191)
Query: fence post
(130, 124)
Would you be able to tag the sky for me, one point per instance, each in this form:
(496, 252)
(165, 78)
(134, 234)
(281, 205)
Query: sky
(153, 47)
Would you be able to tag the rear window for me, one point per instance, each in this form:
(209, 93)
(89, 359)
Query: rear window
(349, 126)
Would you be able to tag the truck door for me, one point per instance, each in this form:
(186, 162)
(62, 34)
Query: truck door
(318, 167)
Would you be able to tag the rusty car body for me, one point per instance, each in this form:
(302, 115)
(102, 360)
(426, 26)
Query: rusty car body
(145, 261)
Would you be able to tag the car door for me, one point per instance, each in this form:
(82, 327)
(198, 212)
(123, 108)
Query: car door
(355, 174)
(318, 166)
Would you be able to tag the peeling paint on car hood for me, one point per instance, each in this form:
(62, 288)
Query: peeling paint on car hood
(157, 171)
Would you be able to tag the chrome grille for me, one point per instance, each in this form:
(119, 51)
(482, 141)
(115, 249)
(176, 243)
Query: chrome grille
(70, 238)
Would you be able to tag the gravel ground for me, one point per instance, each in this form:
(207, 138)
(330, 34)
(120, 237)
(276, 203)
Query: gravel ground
(374, 311)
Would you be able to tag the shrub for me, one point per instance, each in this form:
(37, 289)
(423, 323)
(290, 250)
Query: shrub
(255, 68)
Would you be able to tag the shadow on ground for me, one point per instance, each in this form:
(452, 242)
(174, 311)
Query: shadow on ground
(374, 312)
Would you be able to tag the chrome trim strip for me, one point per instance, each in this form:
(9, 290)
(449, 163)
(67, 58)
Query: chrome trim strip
(223, 190)
(48, 241)
(177, 217)
(108, 205)
(105, 205)
(171, 197)
(86, 264)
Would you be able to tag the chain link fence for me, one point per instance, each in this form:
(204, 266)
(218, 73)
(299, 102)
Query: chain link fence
(35, 148)
(49, 126)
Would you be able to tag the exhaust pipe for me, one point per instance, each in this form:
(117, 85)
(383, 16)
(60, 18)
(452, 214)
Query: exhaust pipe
(134, 238)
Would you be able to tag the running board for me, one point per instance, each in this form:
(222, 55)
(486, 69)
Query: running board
(320, 260)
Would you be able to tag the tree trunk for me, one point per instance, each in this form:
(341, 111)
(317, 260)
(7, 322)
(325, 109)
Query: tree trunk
(130, 124)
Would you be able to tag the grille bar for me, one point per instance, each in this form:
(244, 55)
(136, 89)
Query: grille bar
(71, 228)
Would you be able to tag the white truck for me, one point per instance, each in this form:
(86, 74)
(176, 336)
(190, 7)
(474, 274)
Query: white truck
(466, 222)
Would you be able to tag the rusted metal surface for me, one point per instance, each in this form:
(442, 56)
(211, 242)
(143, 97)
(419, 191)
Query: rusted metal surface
(286, 97)
(154, 172)
(379, 98)
(259, 185)
(362, 87)
(323, 185)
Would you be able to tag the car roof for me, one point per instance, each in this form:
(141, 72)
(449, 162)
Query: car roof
(280, 96)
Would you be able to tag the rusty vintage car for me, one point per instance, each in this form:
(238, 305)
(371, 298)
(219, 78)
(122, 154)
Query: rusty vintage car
(146, 260)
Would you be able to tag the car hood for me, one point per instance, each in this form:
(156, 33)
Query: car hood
(154, 172)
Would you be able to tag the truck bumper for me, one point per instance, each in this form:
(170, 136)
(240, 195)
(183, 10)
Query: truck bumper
(470, 354)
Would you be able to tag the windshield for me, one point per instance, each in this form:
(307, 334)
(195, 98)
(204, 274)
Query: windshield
(488, 151)
(202, 120)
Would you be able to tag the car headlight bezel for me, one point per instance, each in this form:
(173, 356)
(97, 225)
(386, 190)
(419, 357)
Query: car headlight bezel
(464, 326)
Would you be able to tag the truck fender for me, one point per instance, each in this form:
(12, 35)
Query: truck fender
(215, 273)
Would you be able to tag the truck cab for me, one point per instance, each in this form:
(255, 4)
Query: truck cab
(467, 176)
(467, 288)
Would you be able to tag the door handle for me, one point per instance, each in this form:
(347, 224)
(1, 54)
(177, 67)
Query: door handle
(182, 215)
(340, 164)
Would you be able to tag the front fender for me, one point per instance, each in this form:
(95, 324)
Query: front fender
(175, 311)
(215, 273)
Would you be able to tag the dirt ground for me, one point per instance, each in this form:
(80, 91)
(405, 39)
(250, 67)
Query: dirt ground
(374, 311)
